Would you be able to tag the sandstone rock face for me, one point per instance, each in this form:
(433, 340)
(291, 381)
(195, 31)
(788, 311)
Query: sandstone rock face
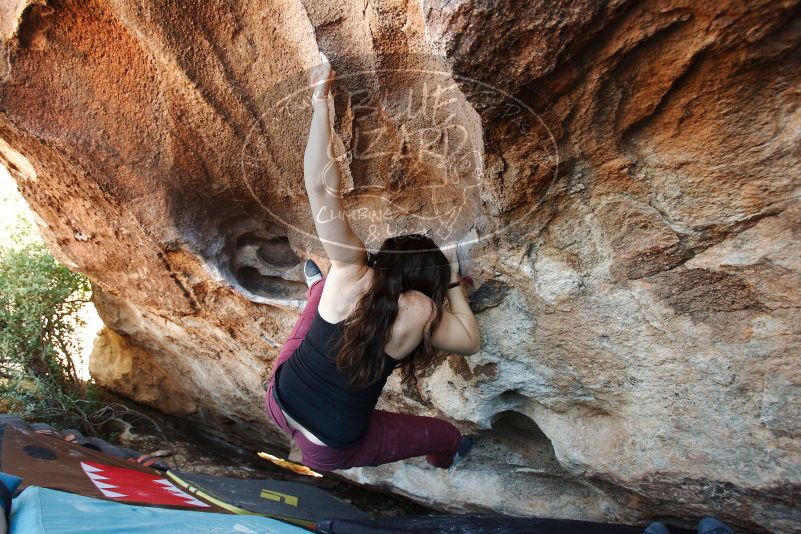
(628, 174)
(130, 371)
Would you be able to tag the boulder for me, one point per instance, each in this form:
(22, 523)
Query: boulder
(626, 175)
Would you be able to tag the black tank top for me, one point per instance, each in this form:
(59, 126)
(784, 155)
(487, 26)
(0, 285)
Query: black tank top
(314, 392)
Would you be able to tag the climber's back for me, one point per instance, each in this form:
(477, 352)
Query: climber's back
(343, 291)
(318, 395)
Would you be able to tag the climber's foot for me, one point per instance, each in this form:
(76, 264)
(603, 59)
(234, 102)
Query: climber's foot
(311, 272)
(464, 447)
(711, 525)
(656, 528)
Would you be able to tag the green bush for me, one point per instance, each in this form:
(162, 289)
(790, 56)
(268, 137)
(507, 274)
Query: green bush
(39, 304)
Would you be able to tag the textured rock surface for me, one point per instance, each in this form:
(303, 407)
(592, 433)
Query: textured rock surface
(640, 263)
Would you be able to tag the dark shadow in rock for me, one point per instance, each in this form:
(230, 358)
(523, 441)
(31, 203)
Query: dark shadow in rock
(275, 251)
(490, 294)
(269, 286)
(517, 439)
(510, 397)
(260, 260)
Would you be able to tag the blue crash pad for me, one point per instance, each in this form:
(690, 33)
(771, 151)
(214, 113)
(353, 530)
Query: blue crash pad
(47, 511)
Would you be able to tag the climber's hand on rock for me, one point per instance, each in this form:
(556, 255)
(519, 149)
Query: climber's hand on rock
(320, 78)
(450, 251)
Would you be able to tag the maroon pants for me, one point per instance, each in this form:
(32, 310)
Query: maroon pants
(390, 436)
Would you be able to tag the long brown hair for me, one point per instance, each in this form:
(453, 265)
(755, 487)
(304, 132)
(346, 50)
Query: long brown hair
(403, 263)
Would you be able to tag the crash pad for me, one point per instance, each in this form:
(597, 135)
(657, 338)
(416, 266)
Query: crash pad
(47, 511)
(294, 501)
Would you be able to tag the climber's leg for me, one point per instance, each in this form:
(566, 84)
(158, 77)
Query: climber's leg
(391, 437)
(302, 325)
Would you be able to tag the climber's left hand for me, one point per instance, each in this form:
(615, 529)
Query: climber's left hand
(320, 78)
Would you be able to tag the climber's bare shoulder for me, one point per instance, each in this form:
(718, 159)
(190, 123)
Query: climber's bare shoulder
(414, 311)
(345, 284)
(417, 310)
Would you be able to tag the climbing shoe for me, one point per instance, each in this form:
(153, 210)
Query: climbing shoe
(311, 272)
(656, 528)
(711, 525)
(464, 447)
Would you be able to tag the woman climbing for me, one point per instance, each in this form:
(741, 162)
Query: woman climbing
(361, 321)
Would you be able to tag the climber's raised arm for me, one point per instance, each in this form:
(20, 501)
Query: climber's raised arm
(458, 330)
(322, 178)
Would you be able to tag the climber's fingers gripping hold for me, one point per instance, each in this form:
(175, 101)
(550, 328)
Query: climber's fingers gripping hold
(320, 77)
(450, 250)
